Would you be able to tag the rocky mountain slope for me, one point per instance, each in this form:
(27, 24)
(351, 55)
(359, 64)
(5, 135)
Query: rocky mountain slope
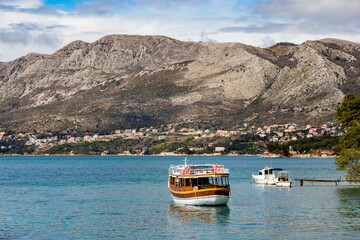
(123, 81)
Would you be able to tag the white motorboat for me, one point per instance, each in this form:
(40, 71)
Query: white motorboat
(283, 179)
(266, 176)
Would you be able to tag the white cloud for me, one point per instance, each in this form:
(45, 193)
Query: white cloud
(23, 4)
(316, 12)
(267, 42)
(205, 38)
(14, 37)
(41, 30)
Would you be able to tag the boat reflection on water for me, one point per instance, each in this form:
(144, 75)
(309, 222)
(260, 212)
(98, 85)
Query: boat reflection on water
(263, 187)
(215, 215)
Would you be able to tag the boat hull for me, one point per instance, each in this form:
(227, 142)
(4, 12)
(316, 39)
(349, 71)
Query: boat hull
(268, 181)
(283, 184)
(214, 200)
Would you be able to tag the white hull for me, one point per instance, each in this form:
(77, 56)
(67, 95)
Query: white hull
(268, 181)
(283, 184)
(203, 201)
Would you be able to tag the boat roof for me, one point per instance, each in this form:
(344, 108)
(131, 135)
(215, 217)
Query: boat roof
(276, 169)
(271, 168)
(192, 170)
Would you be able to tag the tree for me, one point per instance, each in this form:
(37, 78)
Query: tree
(349, 110)
(349, 154)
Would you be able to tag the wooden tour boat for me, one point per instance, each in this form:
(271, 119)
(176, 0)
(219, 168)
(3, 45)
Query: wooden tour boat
(200, 184)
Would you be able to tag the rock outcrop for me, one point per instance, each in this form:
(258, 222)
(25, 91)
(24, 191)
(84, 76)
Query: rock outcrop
(125, 81)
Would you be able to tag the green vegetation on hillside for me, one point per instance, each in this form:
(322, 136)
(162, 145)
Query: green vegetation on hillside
(181, 145)
(15, 147)
(305, 145)
(276, 148)
(243, 147)
(113, 146)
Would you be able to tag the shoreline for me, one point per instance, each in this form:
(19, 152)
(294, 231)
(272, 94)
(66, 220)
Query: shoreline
(184, 155)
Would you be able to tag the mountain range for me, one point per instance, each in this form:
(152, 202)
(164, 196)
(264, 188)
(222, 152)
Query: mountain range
(131, 81)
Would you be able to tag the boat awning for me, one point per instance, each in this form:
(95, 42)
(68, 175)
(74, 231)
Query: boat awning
(276, 169)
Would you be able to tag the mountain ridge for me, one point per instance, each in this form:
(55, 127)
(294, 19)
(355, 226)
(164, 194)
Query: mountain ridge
(122, 81)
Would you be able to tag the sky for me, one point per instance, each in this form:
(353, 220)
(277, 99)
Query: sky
(43, 26)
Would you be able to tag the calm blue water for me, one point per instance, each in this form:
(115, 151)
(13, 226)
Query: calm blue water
(127, 198)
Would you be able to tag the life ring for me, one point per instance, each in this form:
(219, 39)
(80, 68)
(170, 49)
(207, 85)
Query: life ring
(186, 171)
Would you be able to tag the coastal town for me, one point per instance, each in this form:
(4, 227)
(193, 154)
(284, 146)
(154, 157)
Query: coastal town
(195, 141)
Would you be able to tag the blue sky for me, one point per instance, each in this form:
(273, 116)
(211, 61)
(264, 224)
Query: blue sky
(63, 5)
(46, 25)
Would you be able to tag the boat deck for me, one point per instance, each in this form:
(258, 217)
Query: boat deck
(200, 169)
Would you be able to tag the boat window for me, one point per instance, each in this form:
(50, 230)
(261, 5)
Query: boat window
(266, 172)
(194, 182)
(222, 181)
(211, 180)
(260, 173)
(205, 181)
(225, 181)
(201, 181)
(270, 171)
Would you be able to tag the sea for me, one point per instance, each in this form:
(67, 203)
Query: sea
(126, 197)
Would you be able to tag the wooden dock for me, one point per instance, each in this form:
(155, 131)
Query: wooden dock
(319, 180)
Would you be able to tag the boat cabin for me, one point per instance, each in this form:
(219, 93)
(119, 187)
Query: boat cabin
(269, 171)
(200, 182)
(283, 176)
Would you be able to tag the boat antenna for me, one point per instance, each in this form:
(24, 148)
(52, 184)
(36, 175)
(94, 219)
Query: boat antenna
(185, 161)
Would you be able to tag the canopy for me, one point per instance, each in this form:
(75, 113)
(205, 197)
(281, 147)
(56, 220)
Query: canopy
(276, 169)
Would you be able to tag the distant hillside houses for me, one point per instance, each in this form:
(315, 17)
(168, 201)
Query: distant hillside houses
(270, 133)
